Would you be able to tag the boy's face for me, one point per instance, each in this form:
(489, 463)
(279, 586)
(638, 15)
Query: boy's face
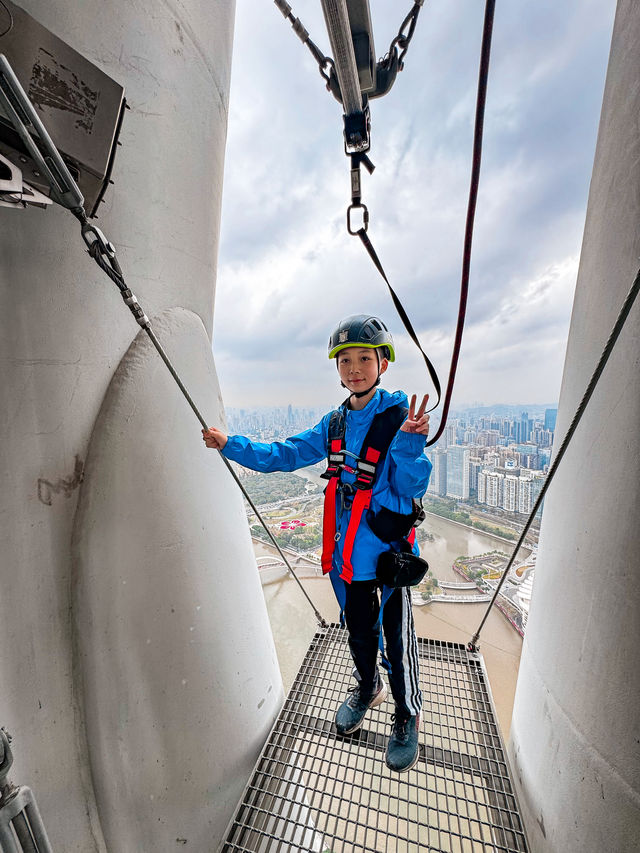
(358, 367)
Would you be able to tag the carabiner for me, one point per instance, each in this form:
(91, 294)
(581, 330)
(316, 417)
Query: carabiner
(365, 218)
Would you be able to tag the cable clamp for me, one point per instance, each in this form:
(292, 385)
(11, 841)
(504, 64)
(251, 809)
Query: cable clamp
(131, 301)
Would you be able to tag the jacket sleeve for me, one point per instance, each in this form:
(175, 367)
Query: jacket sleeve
(300, 450)
(409, 468)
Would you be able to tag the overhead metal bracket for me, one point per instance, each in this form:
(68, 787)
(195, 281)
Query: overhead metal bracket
(81, 106)
(351, 37)
(28, 126)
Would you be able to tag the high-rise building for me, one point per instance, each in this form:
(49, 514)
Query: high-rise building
(510, 493)
(438, 479)
(475, 466)
(458, 472)
(450, 433)
(494, 484)
(482, 486)
(550, 416)
(529, 488)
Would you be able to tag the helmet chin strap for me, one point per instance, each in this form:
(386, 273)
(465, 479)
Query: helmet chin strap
(359, 394)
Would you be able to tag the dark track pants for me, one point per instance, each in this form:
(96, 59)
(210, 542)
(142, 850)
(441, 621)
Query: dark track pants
(362, 609)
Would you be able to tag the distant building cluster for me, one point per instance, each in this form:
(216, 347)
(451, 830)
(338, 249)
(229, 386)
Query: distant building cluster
(272, 423)
(499, 461)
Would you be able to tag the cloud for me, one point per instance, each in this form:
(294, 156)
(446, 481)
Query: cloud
(288, 270)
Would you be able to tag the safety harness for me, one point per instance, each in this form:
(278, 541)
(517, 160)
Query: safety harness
(372, 455)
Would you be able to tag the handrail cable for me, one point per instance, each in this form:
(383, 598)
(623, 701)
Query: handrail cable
(98, 249)
(613, 337)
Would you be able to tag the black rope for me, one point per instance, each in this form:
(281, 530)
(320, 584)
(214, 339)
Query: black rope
(613, 337)
(483, 76)
(366, 242)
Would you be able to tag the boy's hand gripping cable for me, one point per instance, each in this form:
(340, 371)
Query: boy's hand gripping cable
(66, 193)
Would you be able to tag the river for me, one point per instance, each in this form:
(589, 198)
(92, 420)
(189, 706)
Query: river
(293, 622)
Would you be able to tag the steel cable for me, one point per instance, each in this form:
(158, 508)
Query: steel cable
(613, 337)
(119, 281)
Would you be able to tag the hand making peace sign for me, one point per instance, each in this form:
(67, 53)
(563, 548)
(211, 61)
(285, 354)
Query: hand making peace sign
(417, 422)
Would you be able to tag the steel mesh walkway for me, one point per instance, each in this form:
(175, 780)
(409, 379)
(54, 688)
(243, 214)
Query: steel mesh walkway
(313, 790)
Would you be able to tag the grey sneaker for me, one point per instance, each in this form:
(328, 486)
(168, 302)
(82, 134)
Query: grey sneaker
(403, 749)
(352, 711)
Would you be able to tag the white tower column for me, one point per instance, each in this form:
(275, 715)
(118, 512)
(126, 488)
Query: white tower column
(575, 735)
(138, 672)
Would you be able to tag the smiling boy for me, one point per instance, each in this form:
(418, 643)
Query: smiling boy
(367, 484)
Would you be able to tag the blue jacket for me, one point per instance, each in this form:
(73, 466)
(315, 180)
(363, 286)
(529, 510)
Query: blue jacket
(404, 474)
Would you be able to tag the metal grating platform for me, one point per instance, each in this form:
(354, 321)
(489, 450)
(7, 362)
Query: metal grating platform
(313, 790)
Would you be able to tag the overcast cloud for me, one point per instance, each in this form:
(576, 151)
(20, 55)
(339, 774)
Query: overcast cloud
(288, 270)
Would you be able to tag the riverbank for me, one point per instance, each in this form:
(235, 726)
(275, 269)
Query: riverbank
(508, 542)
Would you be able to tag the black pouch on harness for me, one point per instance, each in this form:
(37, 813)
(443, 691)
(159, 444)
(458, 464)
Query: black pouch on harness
(399, 567)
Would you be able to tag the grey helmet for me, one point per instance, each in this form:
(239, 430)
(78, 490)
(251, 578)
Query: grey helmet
(362, 330)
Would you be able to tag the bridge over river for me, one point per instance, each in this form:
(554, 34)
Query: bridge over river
(455, 599)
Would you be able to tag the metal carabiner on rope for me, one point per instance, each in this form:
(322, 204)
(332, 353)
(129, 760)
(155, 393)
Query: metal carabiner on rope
(365, 218)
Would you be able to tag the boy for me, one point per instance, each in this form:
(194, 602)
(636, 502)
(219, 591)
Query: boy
(362, 347)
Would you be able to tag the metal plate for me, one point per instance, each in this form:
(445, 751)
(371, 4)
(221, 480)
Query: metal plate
(78, 103)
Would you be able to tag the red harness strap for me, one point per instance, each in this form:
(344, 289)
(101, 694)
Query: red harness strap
(361, 503)
(329, 512)
(380, 435)
(329, 525)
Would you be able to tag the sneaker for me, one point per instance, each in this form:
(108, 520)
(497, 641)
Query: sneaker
(403, 749)
(352, 711)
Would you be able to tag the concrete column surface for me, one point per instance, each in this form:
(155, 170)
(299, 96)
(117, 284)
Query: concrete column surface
(97, 636)
(575, 735)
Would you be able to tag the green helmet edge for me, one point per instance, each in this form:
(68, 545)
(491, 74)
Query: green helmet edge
(334, 352)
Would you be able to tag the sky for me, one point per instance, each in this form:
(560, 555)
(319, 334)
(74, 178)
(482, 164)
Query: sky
(288, 271)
